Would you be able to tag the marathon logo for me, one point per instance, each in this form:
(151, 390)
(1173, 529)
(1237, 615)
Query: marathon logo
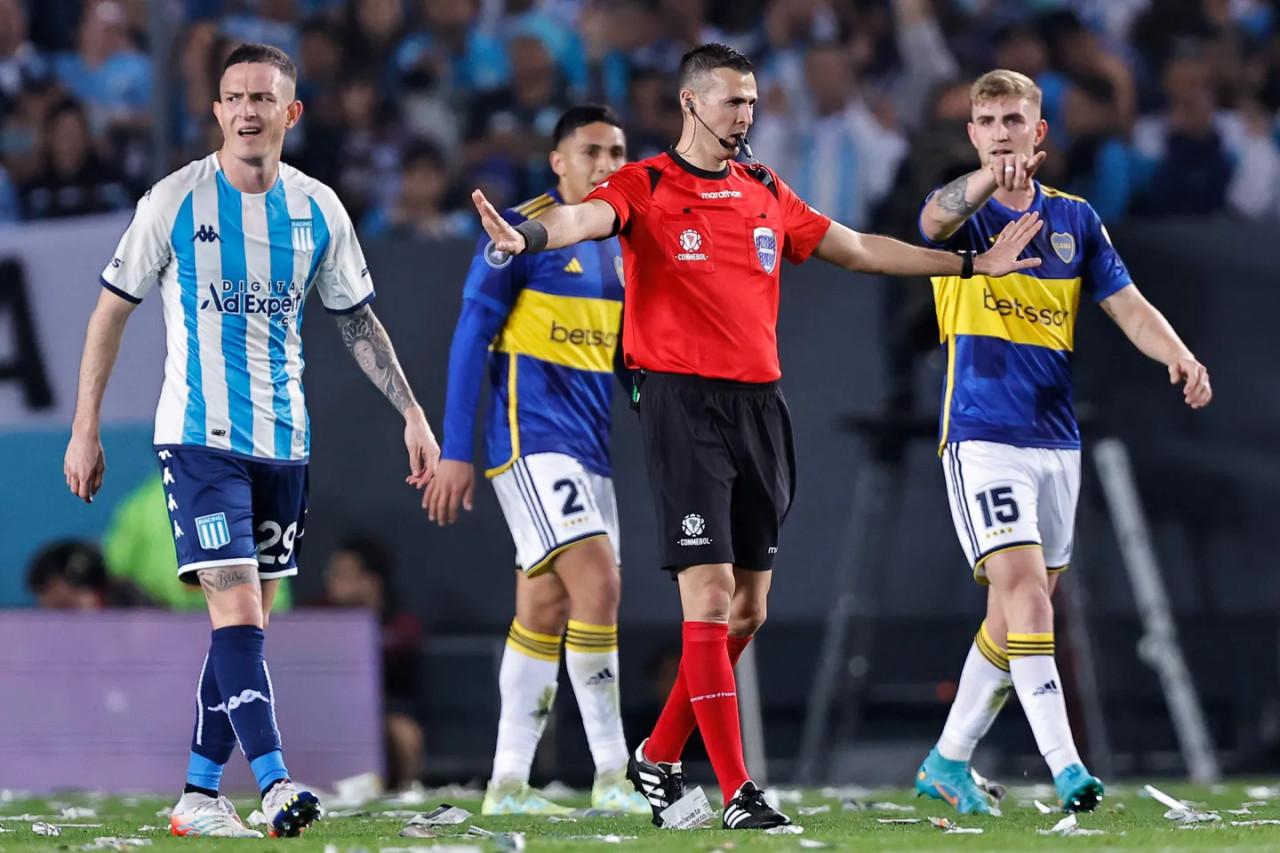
(273, 298)
(722, 194)
(582, 337)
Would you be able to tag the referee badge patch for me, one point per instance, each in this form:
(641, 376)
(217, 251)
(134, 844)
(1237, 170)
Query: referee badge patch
(766, 247)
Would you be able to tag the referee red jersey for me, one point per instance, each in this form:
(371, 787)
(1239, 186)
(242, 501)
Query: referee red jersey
(700, 250)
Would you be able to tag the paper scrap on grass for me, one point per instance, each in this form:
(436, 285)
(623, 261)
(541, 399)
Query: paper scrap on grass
(442, 815)
(416, 831)
(1267, 822)
(1178, 810)
(1069, 826)
(152, 829)
(812, 843)
(504, 840)
(808, 810)
(609, 813)
(691, 810)
(860, 806)
(1042, 808)
(994, 789)
(1240, 811)
(947, 825)
(355, 791)
(255, 818)
(847, 792)
(435, 848)
(110, 843)
(42, 828)
(555, 818)
(783, 795)
(607, 839)
(786, 829)
(77, 813)
(898, 820)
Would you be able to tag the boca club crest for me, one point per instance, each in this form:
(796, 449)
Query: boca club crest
(766, 243)
(1064, 245)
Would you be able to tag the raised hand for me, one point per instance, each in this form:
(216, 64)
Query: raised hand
(1014, 171)
(505, 237)
(1002, 258)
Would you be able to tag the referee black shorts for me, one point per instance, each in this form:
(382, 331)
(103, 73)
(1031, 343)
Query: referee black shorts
(721, 462)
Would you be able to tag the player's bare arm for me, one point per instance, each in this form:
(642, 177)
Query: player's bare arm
(563, 225)
(1154, 336)
(371, 346)
(871, 253)
(950, 207)
(84, 463)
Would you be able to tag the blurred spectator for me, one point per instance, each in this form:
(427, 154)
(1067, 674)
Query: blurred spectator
(21, 65)
(509, 130)
(138, 546)
(653, 123)
(373, 31)
(272, 22)
(106, 71)
(842, 158)
(360, 575)
(365, 152)
(417, 211)
(201, 63)
(452, 46)
(1186, 157)
(73, 179)
(71, 575)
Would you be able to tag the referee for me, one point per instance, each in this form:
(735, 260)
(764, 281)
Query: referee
(701, 238)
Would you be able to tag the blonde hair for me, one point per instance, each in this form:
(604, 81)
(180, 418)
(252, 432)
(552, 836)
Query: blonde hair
(1002, 83)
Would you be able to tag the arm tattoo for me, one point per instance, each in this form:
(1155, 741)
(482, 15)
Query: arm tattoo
(951, 197)
(224, 578)
(368, 342)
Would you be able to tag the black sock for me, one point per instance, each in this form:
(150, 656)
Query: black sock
(196, 789)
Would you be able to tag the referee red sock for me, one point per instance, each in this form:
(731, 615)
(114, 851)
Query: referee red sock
(708, 677)
(676, 722)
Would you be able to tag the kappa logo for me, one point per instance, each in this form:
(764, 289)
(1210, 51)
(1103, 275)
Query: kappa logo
(693, 526)
(206, 234)
(246, 696)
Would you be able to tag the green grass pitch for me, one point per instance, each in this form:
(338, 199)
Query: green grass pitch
(1130, 819)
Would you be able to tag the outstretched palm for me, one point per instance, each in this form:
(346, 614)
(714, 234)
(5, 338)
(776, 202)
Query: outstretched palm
(1002, 258)
(505, 237)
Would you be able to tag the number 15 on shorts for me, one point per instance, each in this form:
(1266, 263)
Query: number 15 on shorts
(998, 506)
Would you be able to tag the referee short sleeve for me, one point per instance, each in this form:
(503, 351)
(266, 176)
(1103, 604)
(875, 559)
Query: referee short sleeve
(626, 191)
(805, 226)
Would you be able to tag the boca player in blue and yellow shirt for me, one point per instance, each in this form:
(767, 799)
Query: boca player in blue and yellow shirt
(547, 330)
(1009, 441)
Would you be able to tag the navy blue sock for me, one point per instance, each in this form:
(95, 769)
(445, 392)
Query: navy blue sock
(246, 691)
(212, 739)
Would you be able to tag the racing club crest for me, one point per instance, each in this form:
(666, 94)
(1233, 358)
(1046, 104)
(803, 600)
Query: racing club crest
(766, 247)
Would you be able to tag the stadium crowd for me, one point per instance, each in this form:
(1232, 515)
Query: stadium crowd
(1155, 107)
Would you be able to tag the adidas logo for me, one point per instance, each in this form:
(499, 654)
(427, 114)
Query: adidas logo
(604, 676)
(574, 266)
(1050, 686)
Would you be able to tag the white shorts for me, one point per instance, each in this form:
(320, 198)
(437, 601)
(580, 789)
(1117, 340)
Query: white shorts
(551, 502)
(1004, 498)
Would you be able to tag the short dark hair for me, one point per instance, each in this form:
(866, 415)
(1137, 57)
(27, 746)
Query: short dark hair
(423, 152)
(581, 116)
(79, 563)
(266, 54)
(706, 58)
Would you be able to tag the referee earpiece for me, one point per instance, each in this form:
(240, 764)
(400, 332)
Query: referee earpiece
(688, 102)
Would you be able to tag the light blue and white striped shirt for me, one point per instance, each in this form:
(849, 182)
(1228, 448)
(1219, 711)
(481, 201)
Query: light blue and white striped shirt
(234, 270)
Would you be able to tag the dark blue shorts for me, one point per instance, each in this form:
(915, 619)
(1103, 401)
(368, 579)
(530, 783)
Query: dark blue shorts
(228, 510)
